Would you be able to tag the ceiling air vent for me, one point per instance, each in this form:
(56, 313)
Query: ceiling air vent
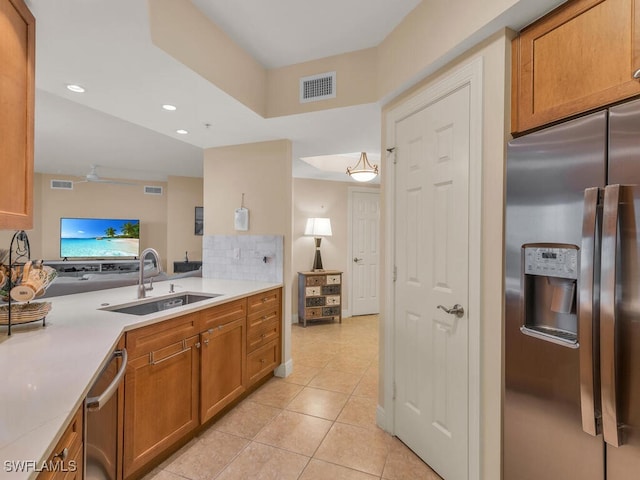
(61, 184)
(318, 87)
(151, 190)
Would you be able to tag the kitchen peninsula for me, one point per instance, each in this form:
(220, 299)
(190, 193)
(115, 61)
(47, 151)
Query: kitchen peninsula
(49, 371)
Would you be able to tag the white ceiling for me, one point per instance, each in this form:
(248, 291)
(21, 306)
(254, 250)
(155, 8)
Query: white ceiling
(118, 123)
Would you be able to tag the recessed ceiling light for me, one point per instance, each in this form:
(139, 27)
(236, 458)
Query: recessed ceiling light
(171, 108)
(182, 132)
(75, 88)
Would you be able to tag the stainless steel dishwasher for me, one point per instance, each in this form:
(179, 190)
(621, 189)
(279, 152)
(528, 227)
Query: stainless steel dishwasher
(101, 420)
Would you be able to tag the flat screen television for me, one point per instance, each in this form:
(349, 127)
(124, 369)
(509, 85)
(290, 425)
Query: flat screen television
(99, 238)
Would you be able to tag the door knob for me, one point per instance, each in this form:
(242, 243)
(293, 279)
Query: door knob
(456, 310)
(356, 259)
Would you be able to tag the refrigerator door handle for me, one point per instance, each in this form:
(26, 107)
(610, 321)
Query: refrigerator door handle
(608, 319)
(587, 317)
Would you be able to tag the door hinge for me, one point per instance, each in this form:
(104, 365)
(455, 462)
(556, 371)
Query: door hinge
(395, 273)
(393, 394)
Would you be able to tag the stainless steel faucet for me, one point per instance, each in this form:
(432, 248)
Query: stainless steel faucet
(141, 288)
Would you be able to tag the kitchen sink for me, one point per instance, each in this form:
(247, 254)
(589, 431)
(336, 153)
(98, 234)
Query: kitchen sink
(152, 305)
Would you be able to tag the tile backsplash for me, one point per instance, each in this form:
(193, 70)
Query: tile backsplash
(243, 257)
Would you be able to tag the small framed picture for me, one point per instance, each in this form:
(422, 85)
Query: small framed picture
(199, 223)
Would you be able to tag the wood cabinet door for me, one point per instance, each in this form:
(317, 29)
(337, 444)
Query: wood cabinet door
(222, 367)
(161, 401)
(580, 57)
(17, 84)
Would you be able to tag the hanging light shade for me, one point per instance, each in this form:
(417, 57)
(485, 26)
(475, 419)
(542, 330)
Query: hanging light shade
(363, 171)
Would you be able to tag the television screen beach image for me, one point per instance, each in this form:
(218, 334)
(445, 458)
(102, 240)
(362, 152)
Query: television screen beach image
(99, 238)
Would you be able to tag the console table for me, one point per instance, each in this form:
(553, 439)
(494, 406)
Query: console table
(319, 296)
(77, 268)
(181, 267)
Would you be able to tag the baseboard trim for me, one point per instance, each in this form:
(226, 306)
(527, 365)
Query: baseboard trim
(285, 369)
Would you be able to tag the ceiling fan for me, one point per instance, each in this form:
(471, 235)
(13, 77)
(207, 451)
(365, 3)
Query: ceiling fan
(93, 177)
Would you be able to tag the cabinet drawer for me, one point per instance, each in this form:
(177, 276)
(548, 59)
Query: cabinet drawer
(263, 301)
(313, 280)
(268, 332)
(313, 291)
(223, 314)
(255, 321)
(313, 312)
(334, 279)
(66, 465)
(263, 361)
(333, 300)
(331, 311)
(331, 289)
(146, 339)
(315, 301)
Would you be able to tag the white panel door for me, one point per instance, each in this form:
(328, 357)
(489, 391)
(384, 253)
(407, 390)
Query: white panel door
(365, 248)
(431, 256)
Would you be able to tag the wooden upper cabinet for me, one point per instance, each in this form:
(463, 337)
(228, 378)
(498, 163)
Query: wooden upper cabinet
(579, 57)
(17, 84)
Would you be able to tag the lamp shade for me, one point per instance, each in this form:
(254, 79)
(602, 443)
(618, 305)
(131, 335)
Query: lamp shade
(318, 227)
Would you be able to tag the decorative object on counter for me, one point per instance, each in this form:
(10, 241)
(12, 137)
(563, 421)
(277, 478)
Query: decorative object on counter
(318, 228)
(199, 223)
(363, 171)
(241, 217)
(23, 280)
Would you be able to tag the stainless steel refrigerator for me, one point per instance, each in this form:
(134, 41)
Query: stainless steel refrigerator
(572, 283)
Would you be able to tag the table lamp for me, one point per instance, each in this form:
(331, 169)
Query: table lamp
(318, 228)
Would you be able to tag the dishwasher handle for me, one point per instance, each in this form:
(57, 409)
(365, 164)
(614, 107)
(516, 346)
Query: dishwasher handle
(96, 403)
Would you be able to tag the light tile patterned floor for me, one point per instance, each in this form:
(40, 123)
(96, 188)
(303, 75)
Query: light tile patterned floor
(316, 424)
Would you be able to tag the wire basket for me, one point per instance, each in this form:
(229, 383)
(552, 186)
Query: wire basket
(24, 312)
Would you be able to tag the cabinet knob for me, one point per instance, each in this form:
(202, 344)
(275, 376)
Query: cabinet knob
(206, 342)
(63, 454)
(636, 74)
(262, 360)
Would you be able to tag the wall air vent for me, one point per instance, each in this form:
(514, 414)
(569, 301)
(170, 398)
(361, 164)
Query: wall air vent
(152, 190)
(318, 87)
(61, 184)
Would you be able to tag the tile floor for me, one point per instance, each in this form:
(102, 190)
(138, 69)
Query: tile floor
(316, 424)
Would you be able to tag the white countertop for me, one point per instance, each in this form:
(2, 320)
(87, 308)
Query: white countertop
(47, 372)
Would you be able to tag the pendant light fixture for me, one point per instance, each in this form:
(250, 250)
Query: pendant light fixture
(363, 171)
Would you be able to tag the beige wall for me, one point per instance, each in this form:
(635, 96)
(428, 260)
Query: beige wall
(321, 198)
(179, 28)
(429, 36)
(183, 195)
(355, 83)
(156, 213)
(262, 171)
(495, 53)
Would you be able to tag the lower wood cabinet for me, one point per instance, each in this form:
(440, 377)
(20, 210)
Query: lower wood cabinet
(67, 460)
(262, 361)
(161, 389)
(263, 333)
(184, 371)
(223, 359)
